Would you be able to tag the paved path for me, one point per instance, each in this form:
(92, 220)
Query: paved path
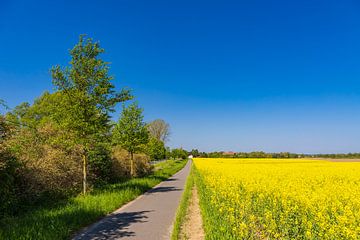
(149, 217)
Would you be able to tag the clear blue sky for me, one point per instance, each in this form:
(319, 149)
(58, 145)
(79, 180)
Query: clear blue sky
(227, 75)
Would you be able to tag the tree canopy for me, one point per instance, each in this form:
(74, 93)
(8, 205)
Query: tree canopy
(88, 96)
(130, 132)
(159, 129)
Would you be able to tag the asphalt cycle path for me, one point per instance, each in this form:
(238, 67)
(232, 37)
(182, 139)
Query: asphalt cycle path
(148, 217)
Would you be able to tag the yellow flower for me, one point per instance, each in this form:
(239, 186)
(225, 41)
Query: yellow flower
(283, 198)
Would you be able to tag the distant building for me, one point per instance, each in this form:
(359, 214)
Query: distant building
(191, 156)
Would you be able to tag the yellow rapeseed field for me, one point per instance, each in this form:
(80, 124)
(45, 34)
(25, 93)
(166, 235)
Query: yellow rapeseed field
(279, 199)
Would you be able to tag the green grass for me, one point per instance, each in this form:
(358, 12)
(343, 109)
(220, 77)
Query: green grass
(64, 219)
(181, 212)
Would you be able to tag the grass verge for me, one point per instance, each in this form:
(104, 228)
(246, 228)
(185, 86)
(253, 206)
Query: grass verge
(184, 203)
(63, 219)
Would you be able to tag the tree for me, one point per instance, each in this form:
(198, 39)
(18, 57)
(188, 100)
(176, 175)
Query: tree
(155, 149)
(88, 97)
(195, 153)
(130, 132)
(179, 153)
(159, 129)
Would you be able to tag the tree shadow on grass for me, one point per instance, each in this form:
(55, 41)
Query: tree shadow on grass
(139, 184)
(114, 226)
(60, 224)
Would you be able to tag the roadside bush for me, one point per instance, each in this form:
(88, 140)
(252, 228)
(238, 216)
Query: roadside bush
(121, 163)
(8, 166)
(45, 166)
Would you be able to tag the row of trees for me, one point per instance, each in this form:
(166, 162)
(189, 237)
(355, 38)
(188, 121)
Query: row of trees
(66, 140)
(258, 154)
(261, 154)
(336, 155)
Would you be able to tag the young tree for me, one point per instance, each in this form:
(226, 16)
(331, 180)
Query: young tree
(89, 97)
(130, 132)
(155, 149)
(177, 153)
(159, 129)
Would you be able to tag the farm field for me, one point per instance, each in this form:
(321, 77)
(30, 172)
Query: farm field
(279, 199)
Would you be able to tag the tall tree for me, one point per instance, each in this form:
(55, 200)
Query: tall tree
(159, 129)
(89, 97)
(130, 132)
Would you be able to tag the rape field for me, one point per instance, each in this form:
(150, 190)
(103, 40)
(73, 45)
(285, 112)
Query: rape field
(279, 199)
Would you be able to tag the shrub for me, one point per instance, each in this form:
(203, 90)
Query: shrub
(8, 166)
(46, 167)
(121, 163)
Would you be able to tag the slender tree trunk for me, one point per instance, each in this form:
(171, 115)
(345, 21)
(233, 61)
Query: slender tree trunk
(132, 172)
(84, 173)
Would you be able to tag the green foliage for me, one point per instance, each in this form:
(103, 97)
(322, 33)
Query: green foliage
(88, 97)
(261, 154)
(130, 132)
(195, 153)
(121, 167)
(159, 132)
(49, 148)
(155, 149)
(179, 153)
(48, 162)
(258, 154)
(8, 166)
(61, 220)
(100, 163)
(4, 129)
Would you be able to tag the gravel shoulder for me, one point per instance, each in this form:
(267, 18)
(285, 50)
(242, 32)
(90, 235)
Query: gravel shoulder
(192, 229)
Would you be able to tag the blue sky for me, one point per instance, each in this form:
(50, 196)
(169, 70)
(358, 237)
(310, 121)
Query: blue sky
(227, 75)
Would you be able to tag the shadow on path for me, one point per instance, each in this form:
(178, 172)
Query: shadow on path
(115, 226)
(163, 189)
(171, 179)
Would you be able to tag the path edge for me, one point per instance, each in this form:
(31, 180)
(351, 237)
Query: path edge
(79, 234)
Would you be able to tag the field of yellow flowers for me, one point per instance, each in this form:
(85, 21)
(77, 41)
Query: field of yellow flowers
(279, 199)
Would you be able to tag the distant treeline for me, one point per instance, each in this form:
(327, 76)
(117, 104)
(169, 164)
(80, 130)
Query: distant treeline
(261, 154)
